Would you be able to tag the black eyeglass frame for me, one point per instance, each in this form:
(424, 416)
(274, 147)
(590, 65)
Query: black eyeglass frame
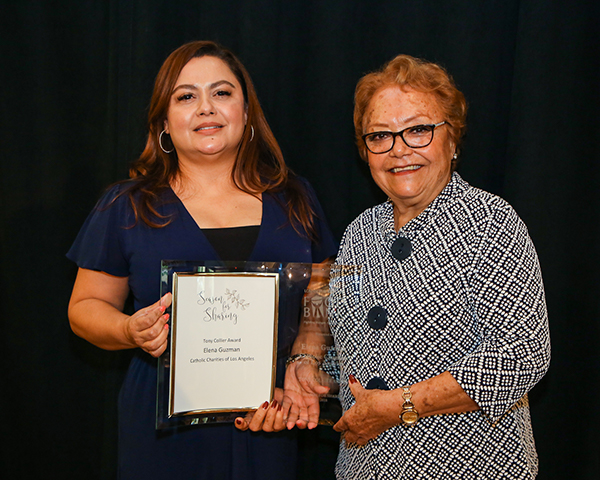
(401, 135)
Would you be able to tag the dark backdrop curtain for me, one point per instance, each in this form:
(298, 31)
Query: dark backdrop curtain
(76, 78)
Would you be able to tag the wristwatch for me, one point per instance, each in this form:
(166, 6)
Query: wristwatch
(408, 415)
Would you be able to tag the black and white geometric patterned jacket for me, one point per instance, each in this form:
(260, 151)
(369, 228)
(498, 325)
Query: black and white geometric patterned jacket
(469, 299)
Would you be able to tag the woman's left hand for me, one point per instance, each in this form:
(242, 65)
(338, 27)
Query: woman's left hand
(267, 418)
(374, 412)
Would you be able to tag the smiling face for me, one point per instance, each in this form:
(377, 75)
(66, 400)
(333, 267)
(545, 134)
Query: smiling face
(207, 111)
(411, 177)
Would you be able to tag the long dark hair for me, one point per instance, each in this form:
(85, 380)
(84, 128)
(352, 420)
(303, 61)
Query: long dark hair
(259, 166)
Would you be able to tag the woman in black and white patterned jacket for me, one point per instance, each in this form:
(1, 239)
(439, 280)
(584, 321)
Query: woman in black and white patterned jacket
(448, 331)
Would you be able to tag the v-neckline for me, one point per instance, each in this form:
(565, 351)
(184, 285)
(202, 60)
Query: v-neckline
(188, 218)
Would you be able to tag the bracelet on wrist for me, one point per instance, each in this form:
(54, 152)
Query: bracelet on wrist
(300, 356)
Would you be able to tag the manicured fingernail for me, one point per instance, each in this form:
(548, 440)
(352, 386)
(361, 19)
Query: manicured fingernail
(162, 308)
(279, 407)
(265, 405)
(274, 404)
(352, 379)
(238, 421)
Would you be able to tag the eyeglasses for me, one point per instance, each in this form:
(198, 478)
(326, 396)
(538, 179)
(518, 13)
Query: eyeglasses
(417, 136)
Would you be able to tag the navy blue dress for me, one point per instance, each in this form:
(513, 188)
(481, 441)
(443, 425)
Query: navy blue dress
(107, 242)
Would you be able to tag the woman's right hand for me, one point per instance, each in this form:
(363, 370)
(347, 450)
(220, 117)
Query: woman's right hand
(302, 389)
(267, 418)
(148, 328)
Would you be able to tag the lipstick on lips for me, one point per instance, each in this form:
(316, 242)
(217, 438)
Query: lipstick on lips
(408, 168)
(208, 128)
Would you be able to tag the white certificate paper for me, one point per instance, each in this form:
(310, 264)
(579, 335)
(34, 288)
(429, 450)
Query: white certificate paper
(224, 335)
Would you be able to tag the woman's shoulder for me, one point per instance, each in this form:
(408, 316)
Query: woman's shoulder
(118, 205)
(384, 209)
(369, 220)
(297, 183)
(112, 210)
(115, 194)
(476, 199)
(487, 209)
(127, 193)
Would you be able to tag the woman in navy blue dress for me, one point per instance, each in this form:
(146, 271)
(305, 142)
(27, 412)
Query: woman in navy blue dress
(210, 184)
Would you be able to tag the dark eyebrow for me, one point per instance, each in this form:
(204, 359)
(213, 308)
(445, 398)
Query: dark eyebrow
(211, 86)
(221, 82)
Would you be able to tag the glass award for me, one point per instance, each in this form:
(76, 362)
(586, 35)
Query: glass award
(232, 327)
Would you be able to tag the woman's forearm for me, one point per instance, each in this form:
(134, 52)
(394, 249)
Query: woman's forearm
(96, 309)
(100, 323)
(439, 395)
(96, 314)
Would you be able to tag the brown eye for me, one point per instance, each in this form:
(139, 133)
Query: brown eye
(185, 96)
(382, 136)
(419, 130)
(379, 137)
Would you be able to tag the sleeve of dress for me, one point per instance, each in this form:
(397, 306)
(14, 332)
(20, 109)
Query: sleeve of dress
(98, 244)
(509, 306)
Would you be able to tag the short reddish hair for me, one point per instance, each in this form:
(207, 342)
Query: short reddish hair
(422, 76)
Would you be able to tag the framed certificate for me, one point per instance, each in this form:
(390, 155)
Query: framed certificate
(221, 356)
(223, 341)
(233, 326)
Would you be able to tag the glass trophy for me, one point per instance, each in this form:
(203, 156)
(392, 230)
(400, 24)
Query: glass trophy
(232, 328)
